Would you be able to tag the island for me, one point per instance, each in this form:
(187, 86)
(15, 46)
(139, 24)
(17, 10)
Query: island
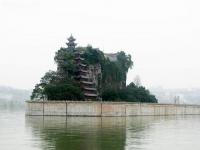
(86, 73)
(89, 82)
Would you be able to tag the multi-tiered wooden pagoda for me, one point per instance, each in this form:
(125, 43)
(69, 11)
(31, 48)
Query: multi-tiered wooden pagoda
(84, 74)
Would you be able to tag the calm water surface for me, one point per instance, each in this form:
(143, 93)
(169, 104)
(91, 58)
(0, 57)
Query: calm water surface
(92, 133)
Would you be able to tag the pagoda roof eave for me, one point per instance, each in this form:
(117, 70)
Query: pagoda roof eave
(86, 82)
(90, 95)
(89, 89)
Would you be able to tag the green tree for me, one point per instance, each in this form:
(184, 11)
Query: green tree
(65, 63)
(60, 84)
(93, 55)
(53, 87)
(131, 93)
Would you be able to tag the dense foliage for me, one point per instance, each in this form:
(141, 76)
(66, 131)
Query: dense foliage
(131, 93)
(65, 62)
(60, 84)
(54, 87)
(113, 72)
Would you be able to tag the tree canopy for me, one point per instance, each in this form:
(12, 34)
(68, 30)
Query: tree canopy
(60, 84)
(130, 93)
(53, 87)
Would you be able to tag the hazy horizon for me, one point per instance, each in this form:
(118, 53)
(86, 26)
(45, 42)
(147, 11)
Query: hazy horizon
(162, 37)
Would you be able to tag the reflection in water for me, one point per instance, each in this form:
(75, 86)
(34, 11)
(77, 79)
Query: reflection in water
(78, 133)
(163, 133)
(95, 133)
(115, 133)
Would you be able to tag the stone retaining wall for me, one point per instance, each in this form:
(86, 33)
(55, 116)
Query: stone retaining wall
(89, 108)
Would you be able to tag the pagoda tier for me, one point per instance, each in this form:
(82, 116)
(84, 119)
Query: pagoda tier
(81, 68)
(81, 77)
(90, 95)
(71, 43)
(87, 82)
(83, 86)
(89, 89)
(83, 65)
(84, 71)
(83, 74)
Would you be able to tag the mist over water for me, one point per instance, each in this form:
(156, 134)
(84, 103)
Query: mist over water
(98, 133)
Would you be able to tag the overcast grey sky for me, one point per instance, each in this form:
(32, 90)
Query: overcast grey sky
(163, 37)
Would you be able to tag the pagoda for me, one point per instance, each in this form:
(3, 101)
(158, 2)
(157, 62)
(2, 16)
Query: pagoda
(84, 73)
(71, 43)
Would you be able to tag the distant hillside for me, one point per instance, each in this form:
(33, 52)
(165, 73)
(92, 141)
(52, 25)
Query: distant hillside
(13, 97)
(186, 96)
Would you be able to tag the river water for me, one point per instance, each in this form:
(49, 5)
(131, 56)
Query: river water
(18, 131)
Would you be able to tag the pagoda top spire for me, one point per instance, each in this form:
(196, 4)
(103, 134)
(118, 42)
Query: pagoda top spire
(71, 43)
